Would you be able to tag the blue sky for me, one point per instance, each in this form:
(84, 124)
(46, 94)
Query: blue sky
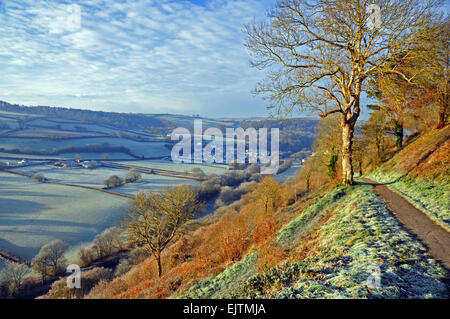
(161, 56)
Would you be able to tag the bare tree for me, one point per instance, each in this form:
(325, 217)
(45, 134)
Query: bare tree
(320, 53)
(14, 275)
(53, 255)
(41, 264)
(155, 218)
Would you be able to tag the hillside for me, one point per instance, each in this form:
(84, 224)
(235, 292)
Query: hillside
(421, 174)
(64, 132)
(327, 244)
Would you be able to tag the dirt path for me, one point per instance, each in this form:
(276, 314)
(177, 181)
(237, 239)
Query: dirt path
(436, 238)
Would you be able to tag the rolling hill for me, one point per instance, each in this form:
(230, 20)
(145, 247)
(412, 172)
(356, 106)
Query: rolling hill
(334, 242)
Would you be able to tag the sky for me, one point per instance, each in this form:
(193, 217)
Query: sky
(140, 56)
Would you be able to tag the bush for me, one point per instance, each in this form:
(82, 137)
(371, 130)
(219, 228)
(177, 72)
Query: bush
(51, 258)
(229, 195)
(113, 181)
(138, 255)
(198, 172)
(87, 255)
(132, 176)
(123, 267)
(13, 277)
(39, 177)
(60, 290)
(107, 242)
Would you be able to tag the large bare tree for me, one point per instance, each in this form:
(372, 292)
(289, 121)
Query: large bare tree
(319, 54)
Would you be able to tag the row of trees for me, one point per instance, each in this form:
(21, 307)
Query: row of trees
(324, 55)
(115, 181)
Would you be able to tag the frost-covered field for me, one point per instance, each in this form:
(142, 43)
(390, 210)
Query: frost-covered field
(152, 183)
(67, 156)
(71, 126)
(95, 178)
(77, 176)
(12, 123)
(147, 149)
(161, 164)
(33, 214)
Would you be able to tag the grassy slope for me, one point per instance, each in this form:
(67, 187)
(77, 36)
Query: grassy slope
(358, 233)
(421, 174)
(328, 248)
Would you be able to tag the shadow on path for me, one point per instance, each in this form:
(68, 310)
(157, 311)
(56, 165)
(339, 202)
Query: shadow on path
(433, 236)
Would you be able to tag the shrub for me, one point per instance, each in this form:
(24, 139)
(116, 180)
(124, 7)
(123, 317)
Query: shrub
(113, 181)
(133, 176)
(123, 267)
(39, 177)
(138, 255)
(87, 255)
(107, 242)
(60, 290)
(198, 172)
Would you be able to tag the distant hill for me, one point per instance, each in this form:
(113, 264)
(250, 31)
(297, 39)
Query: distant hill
(118, 120)
(296, 134)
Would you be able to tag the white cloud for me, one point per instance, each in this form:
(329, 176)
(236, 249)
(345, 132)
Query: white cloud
(151, 55)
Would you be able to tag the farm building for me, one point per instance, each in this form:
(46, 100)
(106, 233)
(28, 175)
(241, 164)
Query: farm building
(91, 164)
(66, 164)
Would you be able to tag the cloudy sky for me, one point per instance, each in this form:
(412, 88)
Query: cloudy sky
(160, 56)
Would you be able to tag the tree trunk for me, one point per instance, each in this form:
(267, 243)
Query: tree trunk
(399, 135)
(347, 141)
(158, 260)
(442, 112)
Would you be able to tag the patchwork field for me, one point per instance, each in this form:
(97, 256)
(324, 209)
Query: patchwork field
(146, 149)
(33, 214)
(162, 164)
(95, 178)
(67, 156)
